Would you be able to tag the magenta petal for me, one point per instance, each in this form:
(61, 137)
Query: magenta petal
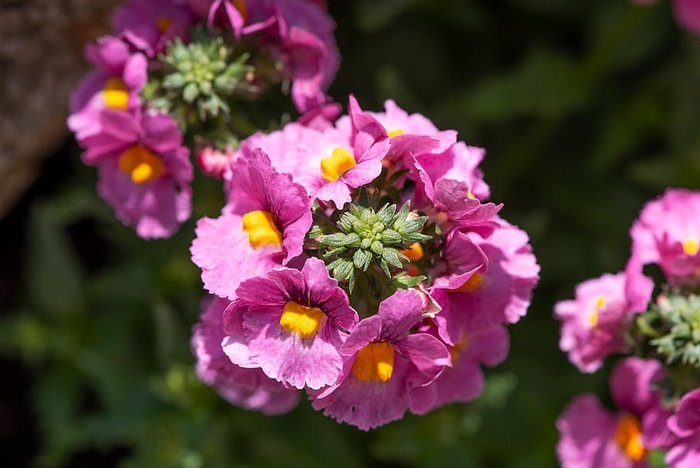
(686, 421)
(631, 384)
(338, 192)
(367, 404)
(366, 331)
(462, 258)
(685, 454)
(234, 344)
(461, 383)
(656, 434)
(109, 53)
(135, 72)
(687, 14)
(586, 432)
(223, 252)
(283, 356)
(120, 125)
(324, 291)
(254, 185)
(399, 312)
(247, 388)
(638, 287)
(235, 18)
(163, 134)
(366, 129)
(427, 354)
(489, 347)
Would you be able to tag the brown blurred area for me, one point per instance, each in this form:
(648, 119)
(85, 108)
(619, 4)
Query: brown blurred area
(41, 61)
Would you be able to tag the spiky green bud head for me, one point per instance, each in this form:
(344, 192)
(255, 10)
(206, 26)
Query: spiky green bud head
(677, 327)
(366, 236)
(205, 74)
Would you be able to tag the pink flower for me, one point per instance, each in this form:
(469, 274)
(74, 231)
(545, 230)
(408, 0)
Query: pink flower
(244, 17)
(383, 360)
(594, 323)
(591, 436)
(330, 163)
(290, 324)
(685, 425)
(262, 227)
(247, 388)
(411, 135)
(464, 380)
(299, 34)
(496, 293)
(667, 233)
(149, 24)
(308, 50)
(458, 162)
(446, 196)
(321, 117)
(144, 171)
(114, 84)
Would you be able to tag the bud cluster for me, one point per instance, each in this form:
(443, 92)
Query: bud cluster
(369, 238)
(174, 78)
(202, 76)
(673, 326)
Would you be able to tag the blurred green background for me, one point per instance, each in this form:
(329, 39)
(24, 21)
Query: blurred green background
(586, 109)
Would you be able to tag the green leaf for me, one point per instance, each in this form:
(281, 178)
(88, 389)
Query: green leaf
(546, 84)
(55, 276)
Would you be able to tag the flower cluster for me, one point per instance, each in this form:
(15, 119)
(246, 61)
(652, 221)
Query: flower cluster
(360, 262)
(169, 80)
(658, 392)
(356, 258)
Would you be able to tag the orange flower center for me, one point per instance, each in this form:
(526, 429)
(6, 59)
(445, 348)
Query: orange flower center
(374, 362)
(628, 437)
(141, 164)
(474, 281)
(413, 252)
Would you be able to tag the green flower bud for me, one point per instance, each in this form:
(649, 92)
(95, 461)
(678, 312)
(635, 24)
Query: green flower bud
(367, 237)
(204, 75)
(675, 322)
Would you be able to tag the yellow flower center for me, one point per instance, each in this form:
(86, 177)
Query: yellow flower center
(628, 437)
(261, 229)
(115, 94)
(340, 162)
(302, 320)
(599, 304)
(691, 247)
(413, 252)
(396, 132)
(374, 362)
(474, 281)
(141, 164)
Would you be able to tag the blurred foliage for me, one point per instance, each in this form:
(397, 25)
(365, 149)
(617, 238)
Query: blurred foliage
(586, 109)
